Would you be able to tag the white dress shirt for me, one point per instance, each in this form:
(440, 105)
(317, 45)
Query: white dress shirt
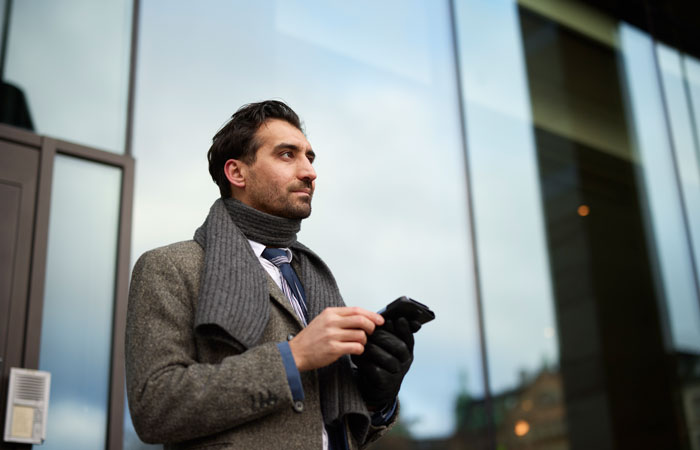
(276, 275)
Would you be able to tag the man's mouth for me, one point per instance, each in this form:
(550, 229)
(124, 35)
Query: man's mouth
(304, 194)
(303, 190)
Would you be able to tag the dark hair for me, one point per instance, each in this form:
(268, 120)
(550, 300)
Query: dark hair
(236, 139)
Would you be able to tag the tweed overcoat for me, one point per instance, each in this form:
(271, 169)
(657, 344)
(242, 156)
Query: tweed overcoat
(193, 392)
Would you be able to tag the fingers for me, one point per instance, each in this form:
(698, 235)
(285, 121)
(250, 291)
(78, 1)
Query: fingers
(375, 318)
(377, 356)
(354, 323)
(352, 317)
(387, 357)
(349, 348)
(389, 325)
(402, 329)
(315, 347)
(376, 375)
(335, 332)
(350, 335)
(390, 344)
(415, 326)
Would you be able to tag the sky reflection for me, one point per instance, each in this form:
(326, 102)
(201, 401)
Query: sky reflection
(374, 82)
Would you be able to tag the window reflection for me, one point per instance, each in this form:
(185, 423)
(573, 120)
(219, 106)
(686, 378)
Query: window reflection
(67, 69)
(691, 67)
(608, 306)
(585, 263)
(601, 265)
(76, 329)
(657, 136)
(666, 225)
(531, 415)
(381, 111)
(686, 147)
(519, 316)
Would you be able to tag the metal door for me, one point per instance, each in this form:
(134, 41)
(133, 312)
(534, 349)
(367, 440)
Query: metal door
(19, 166)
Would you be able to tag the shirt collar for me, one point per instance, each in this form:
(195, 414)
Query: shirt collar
(258, 248)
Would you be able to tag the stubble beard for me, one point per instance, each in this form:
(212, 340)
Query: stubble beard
(286, 205)
(292, 206)
(288, 210)
(299, 212)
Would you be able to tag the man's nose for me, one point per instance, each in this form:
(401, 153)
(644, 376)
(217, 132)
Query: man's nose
(306, 170)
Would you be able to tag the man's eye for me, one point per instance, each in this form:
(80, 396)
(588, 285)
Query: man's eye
(288, 154)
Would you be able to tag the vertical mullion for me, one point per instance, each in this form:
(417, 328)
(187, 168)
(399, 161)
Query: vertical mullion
(115, 428)
(35, 307)
(5, 34)
(472, 234)
(115, 424)
(132, 76)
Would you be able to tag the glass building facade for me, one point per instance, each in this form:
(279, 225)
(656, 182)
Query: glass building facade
(65, 122)
(529, 169)
(67, 62)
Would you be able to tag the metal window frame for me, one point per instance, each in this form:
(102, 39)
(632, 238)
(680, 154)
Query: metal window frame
(48, 149)
(477, 293)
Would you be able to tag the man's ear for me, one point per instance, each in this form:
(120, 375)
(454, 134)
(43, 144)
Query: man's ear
(235, 171)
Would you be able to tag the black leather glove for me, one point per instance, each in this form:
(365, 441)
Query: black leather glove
(387, 357)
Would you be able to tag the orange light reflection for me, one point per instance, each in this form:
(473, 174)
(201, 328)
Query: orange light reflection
(521, 428)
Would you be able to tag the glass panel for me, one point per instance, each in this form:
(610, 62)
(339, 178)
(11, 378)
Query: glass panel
(665, 207)
(692, 72)
(520, 325)
(76, 332)
(68, 65)
(381, 108)
(496, 99)
(685, 310)
(610, 325)
(669, 181)
(676, 92)
(564, 197)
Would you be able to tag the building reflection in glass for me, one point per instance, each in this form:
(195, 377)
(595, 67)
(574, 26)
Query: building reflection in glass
(529, 416)
(65, 69)
(617, 223)
(578, 240)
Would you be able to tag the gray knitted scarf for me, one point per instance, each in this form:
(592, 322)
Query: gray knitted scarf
(234, 301)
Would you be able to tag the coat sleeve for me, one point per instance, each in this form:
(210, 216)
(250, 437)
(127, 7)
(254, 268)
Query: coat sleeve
(377, 431)
(173, 397)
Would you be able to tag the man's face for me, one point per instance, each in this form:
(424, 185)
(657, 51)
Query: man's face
(281, 180)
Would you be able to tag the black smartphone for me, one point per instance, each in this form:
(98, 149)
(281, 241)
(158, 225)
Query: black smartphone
(408, 308)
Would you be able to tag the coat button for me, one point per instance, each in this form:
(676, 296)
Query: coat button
(298, 406)
(290, 336)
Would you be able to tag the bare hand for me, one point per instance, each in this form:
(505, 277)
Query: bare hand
(333, 333)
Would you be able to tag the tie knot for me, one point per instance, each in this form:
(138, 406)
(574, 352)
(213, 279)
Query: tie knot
(276, 256)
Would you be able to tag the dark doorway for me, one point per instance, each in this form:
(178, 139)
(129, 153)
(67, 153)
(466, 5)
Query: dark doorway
(19, 167)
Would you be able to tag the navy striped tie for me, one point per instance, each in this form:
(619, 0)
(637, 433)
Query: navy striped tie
(291, 286)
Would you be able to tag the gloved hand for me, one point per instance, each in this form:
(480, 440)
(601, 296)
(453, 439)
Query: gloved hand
(384, 363)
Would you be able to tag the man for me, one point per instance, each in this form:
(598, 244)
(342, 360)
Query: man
(231, 347)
